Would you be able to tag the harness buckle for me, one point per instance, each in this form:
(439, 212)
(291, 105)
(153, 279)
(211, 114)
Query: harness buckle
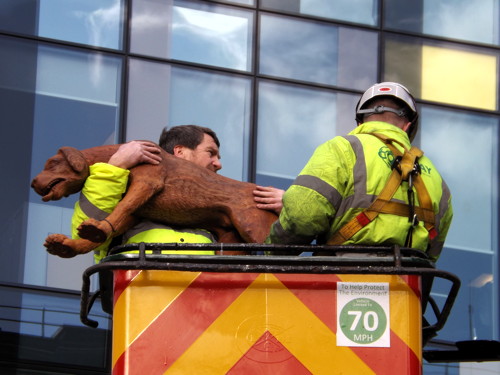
(396, 163)
(414, 220)
(416, 168)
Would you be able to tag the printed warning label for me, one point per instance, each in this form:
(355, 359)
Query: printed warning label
(363, 314)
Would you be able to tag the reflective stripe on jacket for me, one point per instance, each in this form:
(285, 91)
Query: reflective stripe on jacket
(343, 177)
(103, 190)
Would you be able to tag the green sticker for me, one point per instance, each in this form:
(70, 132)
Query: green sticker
(363, 321)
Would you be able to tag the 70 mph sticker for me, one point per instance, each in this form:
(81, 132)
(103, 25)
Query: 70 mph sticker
(363, 314)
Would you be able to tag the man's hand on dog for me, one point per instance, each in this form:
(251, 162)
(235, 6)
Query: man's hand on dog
(134, 153)
(269, 198)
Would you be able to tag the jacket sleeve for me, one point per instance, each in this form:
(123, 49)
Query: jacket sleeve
(101, 192)
(310, 204)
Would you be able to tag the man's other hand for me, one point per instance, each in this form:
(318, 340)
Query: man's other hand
(269, 198)
(134, 153)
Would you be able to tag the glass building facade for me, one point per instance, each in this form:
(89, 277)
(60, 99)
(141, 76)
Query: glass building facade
(274, 79)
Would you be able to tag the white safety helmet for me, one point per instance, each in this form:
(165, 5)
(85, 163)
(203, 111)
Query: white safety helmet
(397, 91)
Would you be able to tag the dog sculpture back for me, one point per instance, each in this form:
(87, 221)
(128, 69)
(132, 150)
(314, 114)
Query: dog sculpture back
(175, 192)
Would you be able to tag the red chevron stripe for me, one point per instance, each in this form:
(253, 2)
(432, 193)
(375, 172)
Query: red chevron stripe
(323, 302)
(325, 308)
(399, 357)
(175, 330)
(413, 282)
(122, 280)
(268, 357)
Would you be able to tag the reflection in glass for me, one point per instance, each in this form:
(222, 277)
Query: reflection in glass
(358, 11)
(43, 325)
(292, 122)
(160, 95)
(93, 22)
(471, 246)
(245, 2)
(221, 102)
(75, 75)
(444, 72)
(473, 313)
(148, 99)
(76, 104)
(453, 158)
(455, 76)
(200, 33)
(472, 20)
(317, 52)
(479, 20)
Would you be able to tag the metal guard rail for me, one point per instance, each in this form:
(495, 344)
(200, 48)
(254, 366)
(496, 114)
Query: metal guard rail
(389, 260)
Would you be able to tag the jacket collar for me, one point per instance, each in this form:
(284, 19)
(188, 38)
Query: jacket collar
(384, 128)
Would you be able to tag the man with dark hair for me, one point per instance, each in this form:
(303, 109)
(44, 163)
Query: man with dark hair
(194, 143)
(189, 136)
(370, 187)
(107, 183)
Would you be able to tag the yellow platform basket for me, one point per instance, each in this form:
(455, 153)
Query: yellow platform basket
(267, 315)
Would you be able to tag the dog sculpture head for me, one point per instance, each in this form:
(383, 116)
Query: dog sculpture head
(64, 174)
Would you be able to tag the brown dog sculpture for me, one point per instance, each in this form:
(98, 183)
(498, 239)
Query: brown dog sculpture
(175, 192)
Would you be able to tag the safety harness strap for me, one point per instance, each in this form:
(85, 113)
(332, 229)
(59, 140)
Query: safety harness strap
(402, 209)
(404, 169)
(425, 202)
(410, 171)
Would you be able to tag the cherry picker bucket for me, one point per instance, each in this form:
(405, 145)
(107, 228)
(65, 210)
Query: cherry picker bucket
(358, 311)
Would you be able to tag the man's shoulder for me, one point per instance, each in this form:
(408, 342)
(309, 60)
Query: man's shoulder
(339, 142)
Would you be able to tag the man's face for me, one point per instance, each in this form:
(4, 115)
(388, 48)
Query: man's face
(206, 154)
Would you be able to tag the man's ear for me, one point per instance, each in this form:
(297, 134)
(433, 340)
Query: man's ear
(179, 151)
(406, 126)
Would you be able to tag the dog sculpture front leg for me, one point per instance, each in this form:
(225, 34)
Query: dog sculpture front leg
(65, 247)
(98, 231)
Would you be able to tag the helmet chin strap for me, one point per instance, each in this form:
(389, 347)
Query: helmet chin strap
(381, 109)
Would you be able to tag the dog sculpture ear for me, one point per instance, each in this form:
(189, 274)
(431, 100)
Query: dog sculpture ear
(75, 159)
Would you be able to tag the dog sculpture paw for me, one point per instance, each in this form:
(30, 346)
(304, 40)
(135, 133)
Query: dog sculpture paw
(59, 244)
(94, 230)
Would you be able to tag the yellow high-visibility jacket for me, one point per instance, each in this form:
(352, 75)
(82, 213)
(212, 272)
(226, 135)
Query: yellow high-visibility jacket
(103, 190)
(343, 177)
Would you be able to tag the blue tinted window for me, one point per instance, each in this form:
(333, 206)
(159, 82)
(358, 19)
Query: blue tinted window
(292, 122)
(50, 97)
(245, 2)
(45, 327)
(92, 22)
(317, 52)
(76, 104)
(161, 95)
(471, 20)
(197, 32)
(358, 11)
(471, 246)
